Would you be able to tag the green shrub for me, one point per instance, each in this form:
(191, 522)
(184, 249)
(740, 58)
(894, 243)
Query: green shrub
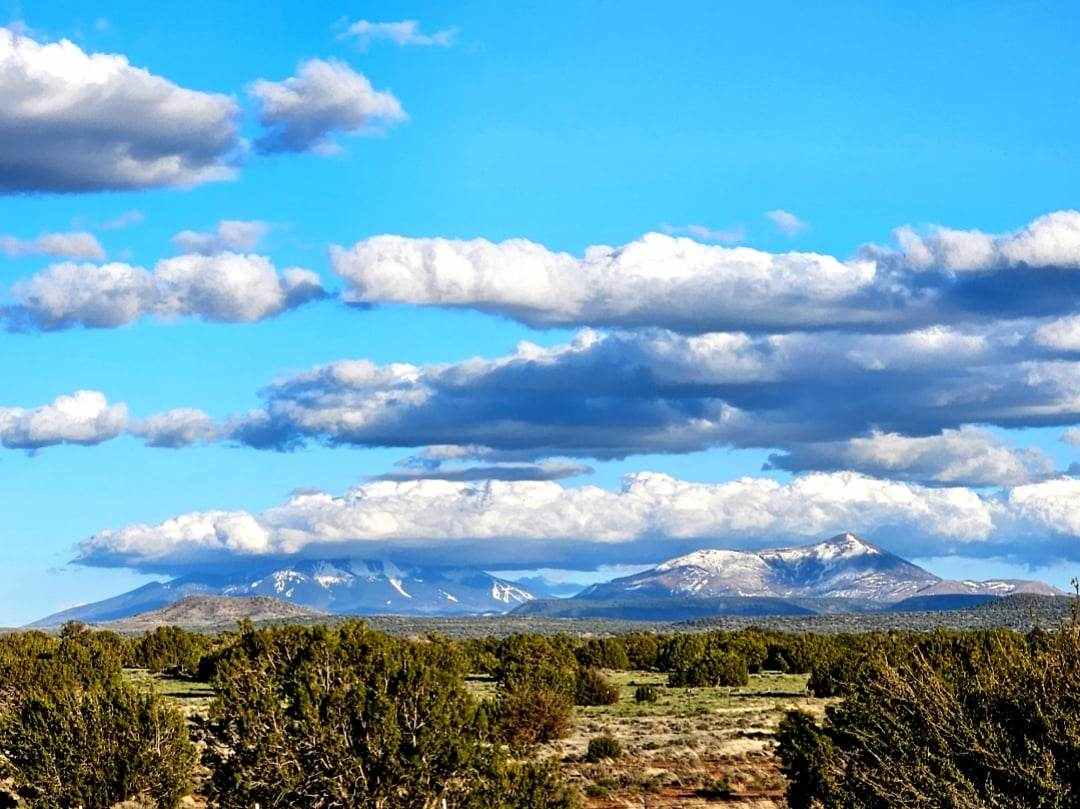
(717, 788)
(96, 746)
(978, 720)
(603, 653)
(642, 650)
(594, 689)
(714, 668)
(646, 693)
(603, 747)
(170, 648)
(349, 717)
(528, 715)
(525, 784)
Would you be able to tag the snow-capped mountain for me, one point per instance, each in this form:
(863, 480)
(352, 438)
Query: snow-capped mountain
(844, 566)
(338, 586)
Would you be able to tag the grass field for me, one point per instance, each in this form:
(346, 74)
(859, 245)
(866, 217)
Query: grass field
(693, 747)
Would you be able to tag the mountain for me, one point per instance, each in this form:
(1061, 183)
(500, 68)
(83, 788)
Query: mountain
(844, 572)
(337, 586)
(212, 612)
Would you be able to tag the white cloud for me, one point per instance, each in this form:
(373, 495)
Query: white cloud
(1052, 240)
(76, 244)
(500, 523)
(226, 287)
(786, 222)
(230, 235)
(84, 417)
(176, 428)
(947, 277)
(967, 456)
(304, 112)
(403, 32)
(97, 123)
(1071, 436)
(658, 280)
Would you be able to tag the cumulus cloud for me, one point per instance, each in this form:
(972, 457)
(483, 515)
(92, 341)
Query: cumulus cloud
(180, 427)
(304, 112)
(609, 396)
(97, 123)
(403, 32)
(230, 235)
(226, 287)
(967, 456)
(85, 417)
(75, 244)
(651, 517)
(786, 222)
(944, 277)
(658, 280)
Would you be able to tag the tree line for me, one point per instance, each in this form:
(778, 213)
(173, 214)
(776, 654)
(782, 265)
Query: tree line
(345, 716)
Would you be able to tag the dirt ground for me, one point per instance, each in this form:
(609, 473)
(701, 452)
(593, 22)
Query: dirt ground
(693, 747)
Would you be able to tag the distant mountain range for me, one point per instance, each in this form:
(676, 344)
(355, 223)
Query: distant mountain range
(842, 574)
(344, 587)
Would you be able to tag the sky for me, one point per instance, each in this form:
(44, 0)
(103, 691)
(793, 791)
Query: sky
(571, 288)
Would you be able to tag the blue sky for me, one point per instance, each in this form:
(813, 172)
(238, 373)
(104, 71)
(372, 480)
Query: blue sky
(569, 126)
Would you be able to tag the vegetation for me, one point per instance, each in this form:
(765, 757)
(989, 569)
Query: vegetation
(603, 747)
(983, 721)
(646, 693)
(344, 715)
(73, 733)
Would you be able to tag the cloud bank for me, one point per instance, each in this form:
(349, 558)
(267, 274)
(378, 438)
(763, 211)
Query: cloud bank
(944, 276)
(304, 112)
(225, 287)
(651, 517)
(895, 405)
(96, 123)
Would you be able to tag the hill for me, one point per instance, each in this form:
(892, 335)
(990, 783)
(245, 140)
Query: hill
(215, 612)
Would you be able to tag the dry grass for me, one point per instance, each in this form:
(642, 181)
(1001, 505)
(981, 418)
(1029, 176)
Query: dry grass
(692, 747)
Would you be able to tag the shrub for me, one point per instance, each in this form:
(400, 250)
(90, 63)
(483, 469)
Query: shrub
(96, 746)
(521, 785)
(714, 668)
(646, 693)
(603, 653)
(979, 722)
(170, 648)
(528, 715)
(594, 689)
(642, 650)
(349, 717)
(603, 747)
(717, 788)
(537, 661)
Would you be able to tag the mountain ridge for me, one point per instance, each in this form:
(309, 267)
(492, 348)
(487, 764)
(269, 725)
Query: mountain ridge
(335, 586)
(842, 573)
